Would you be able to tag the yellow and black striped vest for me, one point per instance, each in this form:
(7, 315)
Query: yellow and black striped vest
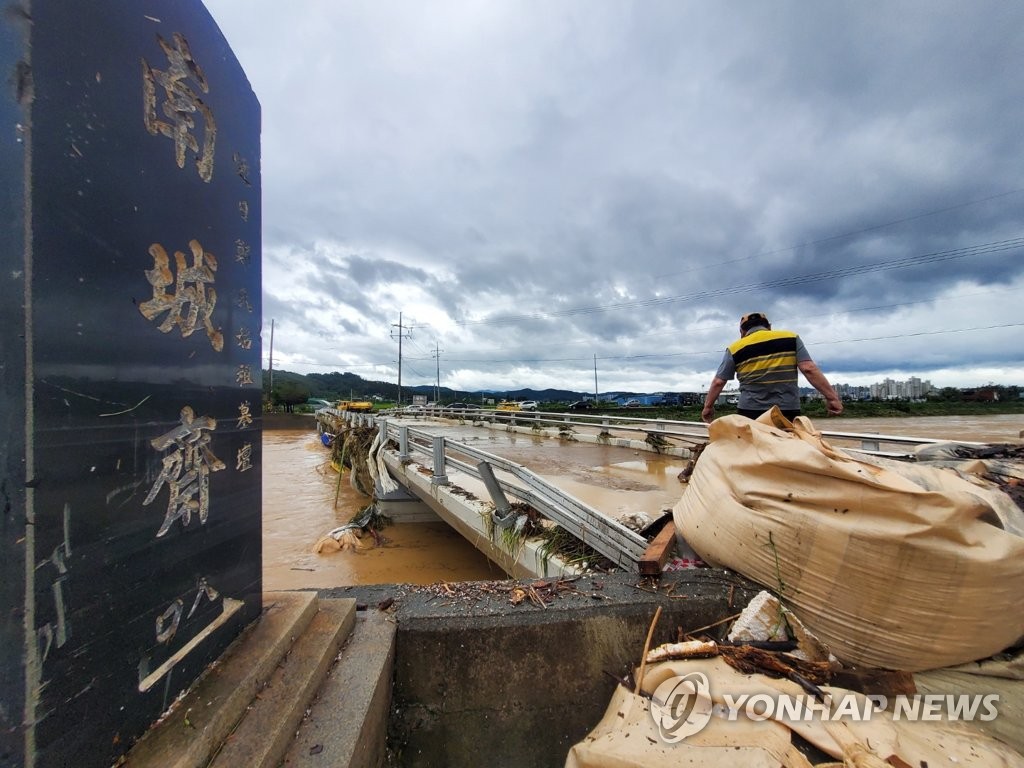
(765, 358)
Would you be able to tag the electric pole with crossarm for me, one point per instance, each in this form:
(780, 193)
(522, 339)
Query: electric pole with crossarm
(400, 334)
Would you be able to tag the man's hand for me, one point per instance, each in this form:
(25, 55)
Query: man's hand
(717, 385)
(817, 379)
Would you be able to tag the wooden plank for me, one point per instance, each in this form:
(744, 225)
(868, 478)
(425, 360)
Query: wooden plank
(658, 551)
(885, 682)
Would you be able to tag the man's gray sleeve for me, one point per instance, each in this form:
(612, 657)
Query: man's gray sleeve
(727, 369)
(801, 351)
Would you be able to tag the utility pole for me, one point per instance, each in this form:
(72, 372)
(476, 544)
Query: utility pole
(271, 392)
(437, 386)
(595, 379)
(399, 335)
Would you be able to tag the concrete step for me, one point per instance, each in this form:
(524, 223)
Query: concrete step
(197, 726)
(347, 723)
(269, 725)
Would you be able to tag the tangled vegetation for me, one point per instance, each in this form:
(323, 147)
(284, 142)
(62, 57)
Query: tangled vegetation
(350, 449)
(558, 542)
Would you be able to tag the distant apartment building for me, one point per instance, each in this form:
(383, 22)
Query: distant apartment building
(911, 389)
(890, 389)
(850, 392)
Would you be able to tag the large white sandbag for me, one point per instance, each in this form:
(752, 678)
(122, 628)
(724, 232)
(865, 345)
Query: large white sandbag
(630, 735)
(889, 571)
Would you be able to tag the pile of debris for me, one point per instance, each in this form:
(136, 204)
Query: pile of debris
(540, 592)
(893, 618)
(771, 694)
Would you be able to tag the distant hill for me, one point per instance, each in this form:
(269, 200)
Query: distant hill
(349, 386)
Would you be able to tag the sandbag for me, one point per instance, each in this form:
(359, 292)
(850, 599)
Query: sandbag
(892, 571)
(628, 736)
(1002, 676)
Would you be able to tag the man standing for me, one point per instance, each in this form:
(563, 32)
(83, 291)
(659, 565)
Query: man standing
(766, 363)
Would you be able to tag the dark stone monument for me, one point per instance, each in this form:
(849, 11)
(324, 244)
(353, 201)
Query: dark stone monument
(130, 414)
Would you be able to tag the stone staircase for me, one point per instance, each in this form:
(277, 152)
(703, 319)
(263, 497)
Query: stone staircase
(308, 684)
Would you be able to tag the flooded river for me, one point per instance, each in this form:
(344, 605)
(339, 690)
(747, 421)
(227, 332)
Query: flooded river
(299, 492)
(303, 499)
(1004, 428)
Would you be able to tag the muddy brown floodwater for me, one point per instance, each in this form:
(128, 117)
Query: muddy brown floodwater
(299, 490)
(1002, 428)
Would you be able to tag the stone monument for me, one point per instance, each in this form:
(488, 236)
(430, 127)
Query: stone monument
(130, 415)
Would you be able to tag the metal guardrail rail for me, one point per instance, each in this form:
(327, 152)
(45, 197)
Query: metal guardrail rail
(609, 537)
(686, 431)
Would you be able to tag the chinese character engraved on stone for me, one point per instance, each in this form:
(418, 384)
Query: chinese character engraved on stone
(241, 168)
(243, 375)
(244, 338)
(242, 300)
(243, 209)
(57, 631)
(186, 470)
(180, 105)
(192, 301)
(244, 459)
(168, 621)
(243, 252)
(244, 415)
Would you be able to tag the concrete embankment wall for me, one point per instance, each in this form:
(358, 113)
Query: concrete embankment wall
(480, 680)
(289, 421)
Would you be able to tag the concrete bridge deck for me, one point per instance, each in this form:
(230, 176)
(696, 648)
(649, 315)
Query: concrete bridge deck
(601, 478)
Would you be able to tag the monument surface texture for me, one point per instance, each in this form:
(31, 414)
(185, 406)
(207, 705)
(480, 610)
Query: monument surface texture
(130, 415)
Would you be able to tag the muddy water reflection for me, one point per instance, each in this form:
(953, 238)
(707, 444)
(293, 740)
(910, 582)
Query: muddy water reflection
(613, 480)
(299, 490)
(1003, 428)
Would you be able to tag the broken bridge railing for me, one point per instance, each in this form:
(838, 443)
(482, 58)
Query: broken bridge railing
(657, 431)
(609, 537)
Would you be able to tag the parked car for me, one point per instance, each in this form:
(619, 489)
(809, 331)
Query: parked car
(634, 403)
(581, 405)
(457, 407)
(528, 405)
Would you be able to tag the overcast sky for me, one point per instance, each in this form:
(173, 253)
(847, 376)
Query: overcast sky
(533, 184)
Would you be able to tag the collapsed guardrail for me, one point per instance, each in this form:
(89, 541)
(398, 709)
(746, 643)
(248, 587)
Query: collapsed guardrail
(612, 539)
(618, 543)
(690, 432)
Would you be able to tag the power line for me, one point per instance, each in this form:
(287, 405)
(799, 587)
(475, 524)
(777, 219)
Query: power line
(718, 350)
(902, 263)
(417, 373)
(925, 333)
(795, 320)
(831, 238)
(549, 360)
